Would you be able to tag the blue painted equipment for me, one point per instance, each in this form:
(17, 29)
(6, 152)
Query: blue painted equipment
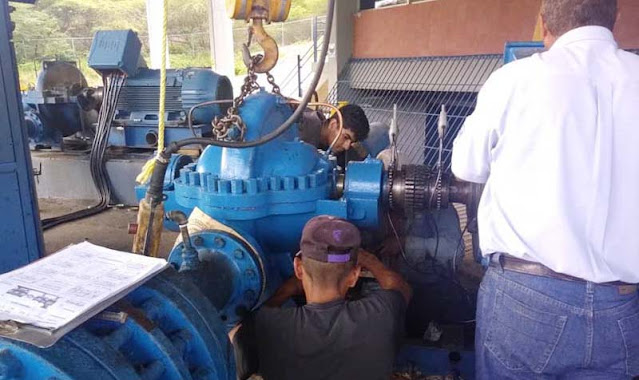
(51, 110)
(263, 195)
(136, 118)
(20, 235)
(115, 50)
(165, 329)
(518, 50)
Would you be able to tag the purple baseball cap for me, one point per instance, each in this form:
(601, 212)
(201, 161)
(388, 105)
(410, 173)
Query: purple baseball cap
(330, 240)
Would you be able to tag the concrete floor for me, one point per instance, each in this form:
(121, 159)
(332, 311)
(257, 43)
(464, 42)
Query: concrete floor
(109, 229)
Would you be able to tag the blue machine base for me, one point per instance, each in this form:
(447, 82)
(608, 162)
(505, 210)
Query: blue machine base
(433, 361)
(136, 136)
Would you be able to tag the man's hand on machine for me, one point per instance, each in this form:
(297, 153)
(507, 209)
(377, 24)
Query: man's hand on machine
(388, 279)
(290, 288)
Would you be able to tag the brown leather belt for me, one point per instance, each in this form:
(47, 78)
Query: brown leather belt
(514, 264)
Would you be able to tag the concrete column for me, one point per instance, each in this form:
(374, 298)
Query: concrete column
(341, 44)
(221, 37)
(342, 35)
(154, 18)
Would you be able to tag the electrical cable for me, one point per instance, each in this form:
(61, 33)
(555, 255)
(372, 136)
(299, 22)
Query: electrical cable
(442, 275)
(113, 84)
(436, 239)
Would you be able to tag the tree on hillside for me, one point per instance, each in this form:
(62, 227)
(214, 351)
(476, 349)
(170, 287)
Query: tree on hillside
(307, 8)
(81, 18)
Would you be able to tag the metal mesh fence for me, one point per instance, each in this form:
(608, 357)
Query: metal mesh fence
(186, 50)
(418, 86)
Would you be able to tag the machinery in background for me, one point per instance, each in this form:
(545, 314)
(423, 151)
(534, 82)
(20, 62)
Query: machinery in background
(62, 105)
(256, 185)
(135, 124)
(52, 111)
(136, 118)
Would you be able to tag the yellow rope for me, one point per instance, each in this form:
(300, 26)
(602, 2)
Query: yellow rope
(147, 170)
(538, 34)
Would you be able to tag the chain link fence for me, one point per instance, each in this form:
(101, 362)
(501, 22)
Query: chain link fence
(186, 50)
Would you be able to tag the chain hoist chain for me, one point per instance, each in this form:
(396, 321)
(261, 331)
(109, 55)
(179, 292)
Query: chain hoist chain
(222, 127)
(271, 81)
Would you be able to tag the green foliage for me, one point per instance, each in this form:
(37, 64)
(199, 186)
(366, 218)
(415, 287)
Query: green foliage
(180, 61)
(62, 29)
(307, 8)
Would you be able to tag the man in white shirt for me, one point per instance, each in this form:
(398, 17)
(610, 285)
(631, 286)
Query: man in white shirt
(555, 139)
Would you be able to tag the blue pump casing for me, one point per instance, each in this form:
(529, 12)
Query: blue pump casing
(265, 194)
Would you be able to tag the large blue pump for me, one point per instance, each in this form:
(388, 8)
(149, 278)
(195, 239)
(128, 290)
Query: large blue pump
(264, 195)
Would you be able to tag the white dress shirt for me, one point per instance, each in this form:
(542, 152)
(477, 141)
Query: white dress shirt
(555, 138)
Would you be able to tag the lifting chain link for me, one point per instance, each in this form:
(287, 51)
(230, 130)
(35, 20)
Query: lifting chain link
(271, 81)
(222, 127)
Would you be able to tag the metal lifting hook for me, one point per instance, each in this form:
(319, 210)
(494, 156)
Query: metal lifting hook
(261, 63)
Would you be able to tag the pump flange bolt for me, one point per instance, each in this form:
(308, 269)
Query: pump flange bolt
(198, 241)
(239, 254)
(219, 242)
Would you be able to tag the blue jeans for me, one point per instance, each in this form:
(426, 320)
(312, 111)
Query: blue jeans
(531, 327)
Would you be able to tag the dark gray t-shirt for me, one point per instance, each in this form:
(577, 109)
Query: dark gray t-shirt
(337, 340)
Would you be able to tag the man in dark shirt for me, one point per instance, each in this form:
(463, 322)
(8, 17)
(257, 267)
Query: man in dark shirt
(329, 337)
(320, 132)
